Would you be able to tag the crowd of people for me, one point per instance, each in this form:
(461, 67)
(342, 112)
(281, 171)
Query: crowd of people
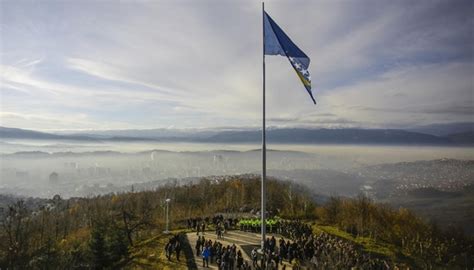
(325, 251)
(298, 247)
(255, 225)
(221, 224)
(225, 257)
(322, 251)
(173, 246)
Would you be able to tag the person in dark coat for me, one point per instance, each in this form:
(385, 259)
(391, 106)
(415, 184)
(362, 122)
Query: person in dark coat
(177, 248)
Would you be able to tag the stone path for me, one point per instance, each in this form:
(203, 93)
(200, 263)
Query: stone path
(243, 240)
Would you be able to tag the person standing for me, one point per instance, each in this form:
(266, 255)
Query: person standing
(205, 257)
(177, 248)
(198, 246)
(254, 257)
(240, 260)
(169, 250)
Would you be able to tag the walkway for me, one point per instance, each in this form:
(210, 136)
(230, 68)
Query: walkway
(244, 241)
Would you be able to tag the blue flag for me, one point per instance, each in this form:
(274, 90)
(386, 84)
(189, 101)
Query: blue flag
(278, 43)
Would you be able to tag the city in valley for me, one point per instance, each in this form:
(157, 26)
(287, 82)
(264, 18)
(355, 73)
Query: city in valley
(434, 182)
(237, 135)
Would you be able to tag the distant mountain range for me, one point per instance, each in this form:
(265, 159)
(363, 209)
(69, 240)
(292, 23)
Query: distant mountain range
(17, 133)
(283, 135)
(444, 129)
(331, 136)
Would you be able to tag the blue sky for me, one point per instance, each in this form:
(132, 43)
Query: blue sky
(73, 65)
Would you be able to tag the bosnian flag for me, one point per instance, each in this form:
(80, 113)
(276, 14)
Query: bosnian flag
(278, 43)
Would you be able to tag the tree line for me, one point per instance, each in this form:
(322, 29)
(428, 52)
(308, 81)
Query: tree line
(422, 242)
(100, 232)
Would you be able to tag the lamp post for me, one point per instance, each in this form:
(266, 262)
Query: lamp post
(167, 215)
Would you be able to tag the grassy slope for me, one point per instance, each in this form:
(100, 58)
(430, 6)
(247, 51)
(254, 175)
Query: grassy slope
(457, 210)
(376, 248)
(150, 254)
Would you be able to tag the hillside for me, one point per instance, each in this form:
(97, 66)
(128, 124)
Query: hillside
(444, 129)
(462, 138)
(124, 230)
(331, 136)
(17, 133)
(280, 135)
(398, 178)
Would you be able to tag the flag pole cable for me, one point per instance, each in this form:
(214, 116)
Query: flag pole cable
(264, 150)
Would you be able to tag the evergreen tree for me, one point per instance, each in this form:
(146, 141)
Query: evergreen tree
(98, 246)
(117, 245)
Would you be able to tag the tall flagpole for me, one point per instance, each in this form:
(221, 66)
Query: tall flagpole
(264, 149)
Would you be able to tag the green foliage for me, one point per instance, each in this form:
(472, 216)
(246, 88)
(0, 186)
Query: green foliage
(16, 231)
(108, 245)
(150, 254)
(123, 230)
(98, 246)
(396, 233)
(46, 256)
(117, 244)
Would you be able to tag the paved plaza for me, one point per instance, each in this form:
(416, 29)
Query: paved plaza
(245, 241)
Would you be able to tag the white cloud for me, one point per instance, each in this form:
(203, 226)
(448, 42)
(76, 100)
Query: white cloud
(45, 121)
(156, 64)
(408, 95)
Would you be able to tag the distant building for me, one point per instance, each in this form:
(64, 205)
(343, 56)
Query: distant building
(218, 159)
(146, 171)
(71, 165)
(54, 178)
(22, 175)
(57, 198)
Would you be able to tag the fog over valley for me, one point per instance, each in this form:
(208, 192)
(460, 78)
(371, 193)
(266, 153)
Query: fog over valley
(418, 177)
(236, 135)
(28, 167)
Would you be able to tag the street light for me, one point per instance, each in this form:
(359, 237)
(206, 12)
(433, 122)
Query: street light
(167, 215)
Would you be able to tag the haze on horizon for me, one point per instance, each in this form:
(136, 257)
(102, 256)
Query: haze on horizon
(109, 65)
